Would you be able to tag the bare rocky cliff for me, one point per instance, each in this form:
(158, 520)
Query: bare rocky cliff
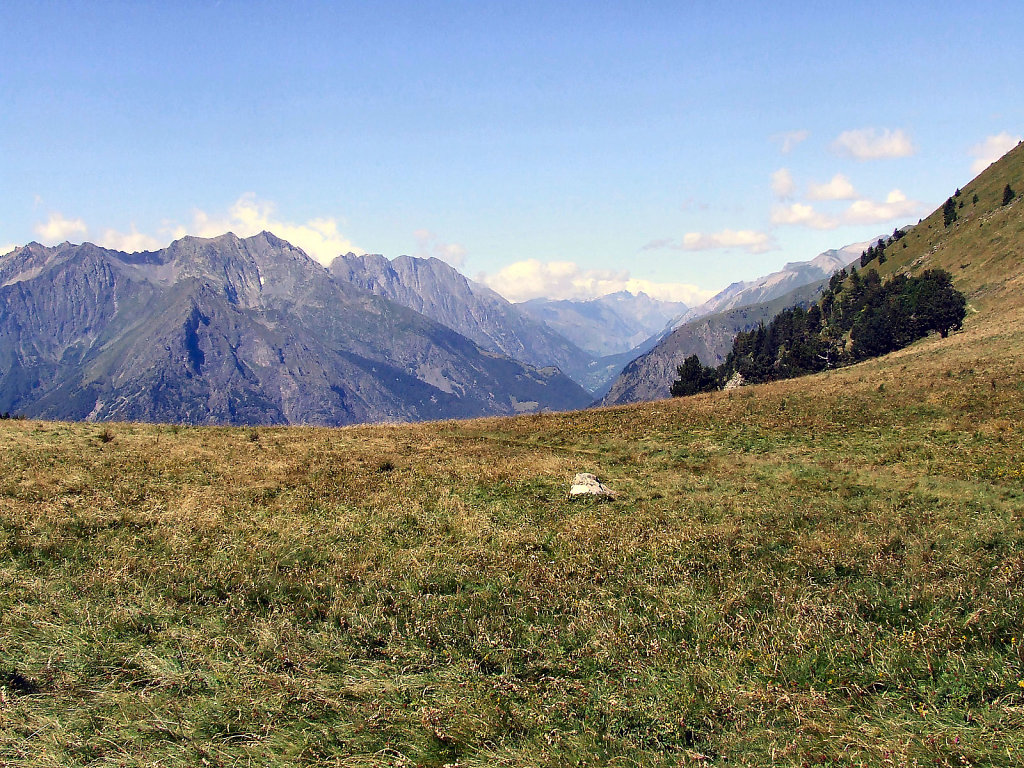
(236, 331)
(440, 292)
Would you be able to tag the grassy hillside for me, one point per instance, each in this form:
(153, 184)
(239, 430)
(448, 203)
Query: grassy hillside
(821, 571)
(983, 249)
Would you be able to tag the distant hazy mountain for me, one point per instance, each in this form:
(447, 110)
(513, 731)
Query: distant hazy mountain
(441, 292)
(231, 331)
(650, 376)
(609, 325)
(707, 330)
(771, 286)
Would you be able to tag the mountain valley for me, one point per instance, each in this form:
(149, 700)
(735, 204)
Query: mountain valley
(824, 570)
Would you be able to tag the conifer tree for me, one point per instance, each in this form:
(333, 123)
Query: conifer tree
(694, 377)
(948, 212)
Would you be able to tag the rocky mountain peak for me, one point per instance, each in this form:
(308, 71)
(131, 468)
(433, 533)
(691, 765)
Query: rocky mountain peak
(236, 330)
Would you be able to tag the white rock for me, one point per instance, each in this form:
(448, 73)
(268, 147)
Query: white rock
(586, 484)
(736, 381)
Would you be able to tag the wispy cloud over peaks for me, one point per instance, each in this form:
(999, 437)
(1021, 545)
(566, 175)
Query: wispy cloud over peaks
(896, 206)
(748, 240)
(318, 237)
(789, 140)
(990, 150)
(872, 144)
(129, 242)
(57, 229)
(531, 279)
(429, 245)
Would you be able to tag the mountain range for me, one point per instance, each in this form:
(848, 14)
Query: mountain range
(588, 340)
(231, 331)
(439, 291)
(237, 331)
(608, 325)
(244, 331)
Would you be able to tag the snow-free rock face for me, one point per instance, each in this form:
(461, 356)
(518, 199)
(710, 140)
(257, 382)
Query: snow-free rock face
(440, 292)
(236, 331)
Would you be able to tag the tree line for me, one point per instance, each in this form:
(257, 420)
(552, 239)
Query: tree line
(857, 317)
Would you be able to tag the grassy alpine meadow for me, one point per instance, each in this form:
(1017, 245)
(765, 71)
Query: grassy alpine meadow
(822, 571)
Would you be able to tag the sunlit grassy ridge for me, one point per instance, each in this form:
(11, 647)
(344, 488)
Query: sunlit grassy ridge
(984, 248)
(822, 571)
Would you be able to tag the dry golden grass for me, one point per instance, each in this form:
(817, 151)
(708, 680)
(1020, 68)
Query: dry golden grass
(817, 571)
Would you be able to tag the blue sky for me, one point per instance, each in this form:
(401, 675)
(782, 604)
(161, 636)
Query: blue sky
(563, 149)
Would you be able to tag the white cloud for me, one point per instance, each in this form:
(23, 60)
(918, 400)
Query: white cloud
(319, 237)
(429, 245)
(57, 229)
(532, 278)
(990, 150)
(839, 188)
(129, 242)
(803, 215)
(748, 240)
(871, 144)
(896, 206)
(782, 184)
(5, 249)
(790, 139)
(685, 292)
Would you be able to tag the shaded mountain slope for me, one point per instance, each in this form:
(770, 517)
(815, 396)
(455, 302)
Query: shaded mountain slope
(235, 331)
(439, 291)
